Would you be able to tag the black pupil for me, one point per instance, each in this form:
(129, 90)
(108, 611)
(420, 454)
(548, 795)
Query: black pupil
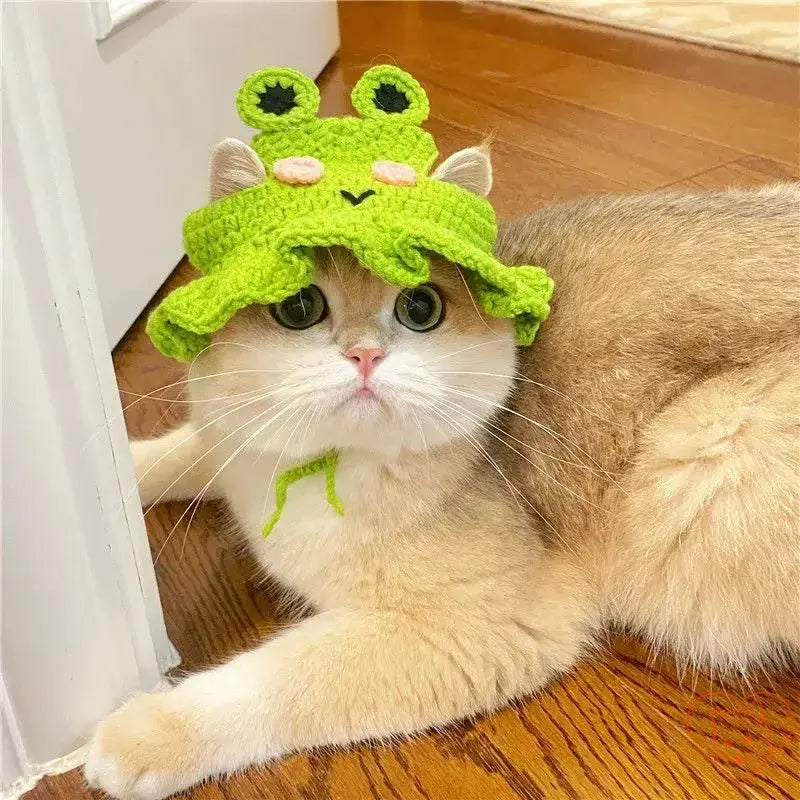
(420, 306)
(390, 99)
(299, 308)
(277, 99)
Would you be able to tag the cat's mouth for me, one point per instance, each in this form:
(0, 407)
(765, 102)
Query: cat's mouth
(363, 397)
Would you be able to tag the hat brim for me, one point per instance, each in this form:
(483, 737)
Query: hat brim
(182, 325)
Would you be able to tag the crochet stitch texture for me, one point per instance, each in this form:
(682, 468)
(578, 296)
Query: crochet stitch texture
(256, 246)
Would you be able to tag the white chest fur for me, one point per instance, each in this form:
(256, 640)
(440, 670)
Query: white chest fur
(311, 548)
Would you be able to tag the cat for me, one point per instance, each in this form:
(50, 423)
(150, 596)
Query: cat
(636, 467)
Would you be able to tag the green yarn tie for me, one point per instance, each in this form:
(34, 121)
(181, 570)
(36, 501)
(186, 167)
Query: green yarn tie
(326, 462)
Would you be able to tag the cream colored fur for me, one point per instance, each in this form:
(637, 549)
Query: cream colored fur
(637, 466)
(234, 166)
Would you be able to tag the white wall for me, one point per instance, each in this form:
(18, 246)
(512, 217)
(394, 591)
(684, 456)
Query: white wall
(82, 625)
(142, 109)
(67, 653)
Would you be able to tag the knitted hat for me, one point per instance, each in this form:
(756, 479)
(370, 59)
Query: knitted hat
(359, 182)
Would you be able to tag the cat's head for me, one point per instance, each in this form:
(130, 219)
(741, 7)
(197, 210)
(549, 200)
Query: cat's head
(352, 361)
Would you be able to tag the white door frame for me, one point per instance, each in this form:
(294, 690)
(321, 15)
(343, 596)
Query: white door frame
(82, 623)
(142, 109)
(111, 15)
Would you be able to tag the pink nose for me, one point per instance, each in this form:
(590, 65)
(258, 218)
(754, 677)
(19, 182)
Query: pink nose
(365, 359)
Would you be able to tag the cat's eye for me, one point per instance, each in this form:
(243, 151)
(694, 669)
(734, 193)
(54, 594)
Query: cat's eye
(420, 308)
(301, 310)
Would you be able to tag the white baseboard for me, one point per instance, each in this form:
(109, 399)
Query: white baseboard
(38, 771)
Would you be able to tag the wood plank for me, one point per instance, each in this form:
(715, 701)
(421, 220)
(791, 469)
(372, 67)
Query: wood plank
(764, 78)
(636, 155)
(739, 121)
(749, 171)
(495, 96)
(67, 786)
(758, 127)
(524, 180)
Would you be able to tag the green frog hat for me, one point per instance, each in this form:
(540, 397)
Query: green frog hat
(361, 182)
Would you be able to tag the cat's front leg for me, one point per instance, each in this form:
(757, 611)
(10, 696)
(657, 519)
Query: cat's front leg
(175, 466)
(339, 677)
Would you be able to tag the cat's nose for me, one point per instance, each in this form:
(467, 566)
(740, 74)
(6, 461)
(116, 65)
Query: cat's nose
(365, 359)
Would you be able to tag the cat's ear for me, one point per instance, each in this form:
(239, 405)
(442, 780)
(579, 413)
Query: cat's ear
(470, 169)
(234, 166)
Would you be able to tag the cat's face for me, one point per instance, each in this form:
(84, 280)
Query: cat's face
(355, 363)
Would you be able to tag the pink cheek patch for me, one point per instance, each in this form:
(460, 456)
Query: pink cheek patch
(394, 173)
(303, 170)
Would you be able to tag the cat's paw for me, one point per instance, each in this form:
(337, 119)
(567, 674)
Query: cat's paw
(146, 454)
(143, 751)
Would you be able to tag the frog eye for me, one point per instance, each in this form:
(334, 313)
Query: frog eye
(386, 92)
(303, 170)
(276, 98)
(394, 173)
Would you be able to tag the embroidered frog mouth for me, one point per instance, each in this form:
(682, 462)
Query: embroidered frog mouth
(356, 200)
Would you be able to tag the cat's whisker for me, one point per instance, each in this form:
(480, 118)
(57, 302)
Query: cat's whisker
(171, 450)
(475, 444)
(480, 420)
(172, 401)
(237, 407)
(440, 388)
(519, 377)
(345, 289)
(458, 352)
(230, 458)
(151, 396)
(218, 343)
(278, 463)
(209, 450)
(421, 431)
(427, 407)
(165, 413)
(564, 441)
(472, 299)
(515, 492)
(183, 381)
(319, 388)
(194, 504)
(200, 496)
(524, 457)
(311, 418)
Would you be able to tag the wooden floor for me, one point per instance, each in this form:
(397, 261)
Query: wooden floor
(572, 109)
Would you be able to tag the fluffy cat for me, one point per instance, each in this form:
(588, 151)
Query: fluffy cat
(637, 466)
